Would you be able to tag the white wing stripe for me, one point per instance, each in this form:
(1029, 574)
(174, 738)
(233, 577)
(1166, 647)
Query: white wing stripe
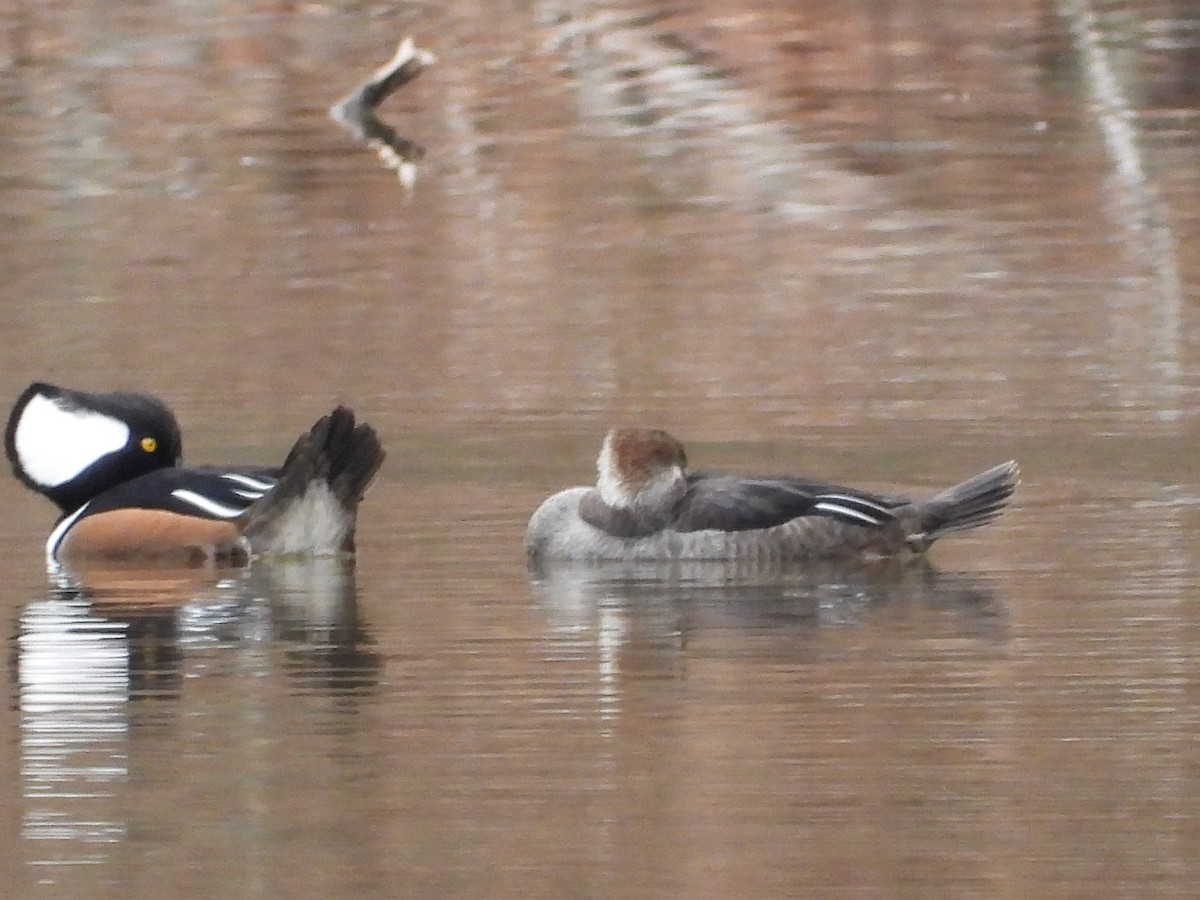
(256, 484)
(837, 509)
(207, 504)
(859, 502)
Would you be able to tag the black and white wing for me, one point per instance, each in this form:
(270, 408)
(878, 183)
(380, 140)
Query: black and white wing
(207, 493)
(200, 494)
(731, 503)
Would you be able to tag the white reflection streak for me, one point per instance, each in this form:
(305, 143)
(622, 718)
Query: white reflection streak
(1145, 215)
(73, 674)
(610, 633)
(1116, 116)
(1150, 228)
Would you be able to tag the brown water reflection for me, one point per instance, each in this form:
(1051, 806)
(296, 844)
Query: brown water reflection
(882, 243)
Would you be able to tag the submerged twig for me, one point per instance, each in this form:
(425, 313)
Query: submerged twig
(356, 111)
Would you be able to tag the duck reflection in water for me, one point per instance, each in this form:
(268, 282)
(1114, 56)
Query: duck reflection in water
(656, 540)
(112, 657)
(305, 607)
(684, 596)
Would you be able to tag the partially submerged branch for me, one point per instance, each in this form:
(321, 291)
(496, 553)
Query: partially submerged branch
(356, 111)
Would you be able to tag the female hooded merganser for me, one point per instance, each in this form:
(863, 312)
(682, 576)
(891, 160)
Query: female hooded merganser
(646, 505)
(110, 461)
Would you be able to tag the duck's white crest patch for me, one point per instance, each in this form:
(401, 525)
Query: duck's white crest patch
(207, 504)
(55, 443)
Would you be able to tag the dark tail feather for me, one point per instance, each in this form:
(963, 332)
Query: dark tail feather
(975, 502)
(313, 507)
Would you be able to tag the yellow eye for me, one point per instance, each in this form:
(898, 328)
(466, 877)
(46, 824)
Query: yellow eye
(149, 444)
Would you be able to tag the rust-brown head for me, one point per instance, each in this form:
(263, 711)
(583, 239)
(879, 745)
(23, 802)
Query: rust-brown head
(638, 466)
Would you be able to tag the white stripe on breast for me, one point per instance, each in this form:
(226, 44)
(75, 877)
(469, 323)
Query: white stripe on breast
(59, 532)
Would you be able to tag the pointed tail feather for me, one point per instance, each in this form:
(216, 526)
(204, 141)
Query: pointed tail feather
(313, 507)
(972, 503)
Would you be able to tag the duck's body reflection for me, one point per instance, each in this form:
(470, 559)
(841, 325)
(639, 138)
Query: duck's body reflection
(107, 654)
(683, 596)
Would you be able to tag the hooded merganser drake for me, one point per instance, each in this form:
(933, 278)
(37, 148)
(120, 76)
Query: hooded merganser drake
(111, 462)
(646, 505)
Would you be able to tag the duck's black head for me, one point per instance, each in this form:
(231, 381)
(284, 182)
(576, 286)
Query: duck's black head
(71, 446)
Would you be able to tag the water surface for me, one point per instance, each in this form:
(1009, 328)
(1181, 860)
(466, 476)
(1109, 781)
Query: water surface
(889, 244)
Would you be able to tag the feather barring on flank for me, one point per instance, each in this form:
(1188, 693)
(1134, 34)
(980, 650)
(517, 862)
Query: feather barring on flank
(647, 505)
(111, 462)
